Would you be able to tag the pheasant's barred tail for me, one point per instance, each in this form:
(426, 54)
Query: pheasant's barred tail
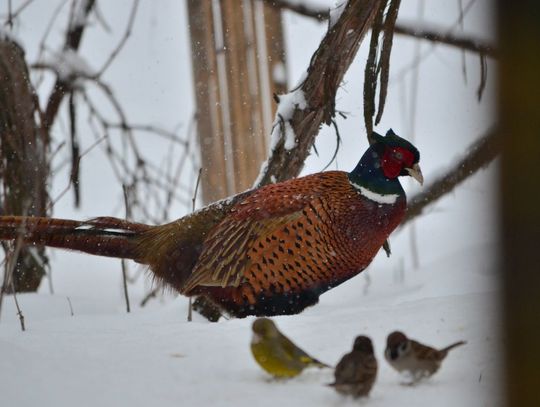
(104, 236)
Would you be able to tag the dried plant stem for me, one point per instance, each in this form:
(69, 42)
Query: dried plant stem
(190, 304)
(11, 262)
(123, 261)
(70, 306)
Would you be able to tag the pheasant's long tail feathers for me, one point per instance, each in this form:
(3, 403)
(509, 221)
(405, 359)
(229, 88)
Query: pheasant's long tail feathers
(104, 236)
(454, 345)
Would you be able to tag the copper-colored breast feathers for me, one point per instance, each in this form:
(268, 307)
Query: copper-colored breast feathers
(294, 239)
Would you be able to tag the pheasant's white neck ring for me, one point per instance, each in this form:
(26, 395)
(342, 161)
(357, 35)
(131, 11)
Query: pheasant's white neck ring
(388, 199)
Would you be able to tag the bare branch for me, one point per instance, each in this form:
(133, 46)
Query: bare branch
(454, 40)
(478, 155)
(324, 75)
(384, 60)
(127, 34)
(123, 261)
(370, 72)
(302, 9)
(61, 87)
(12, 15)
(11, 262)
(190, 305)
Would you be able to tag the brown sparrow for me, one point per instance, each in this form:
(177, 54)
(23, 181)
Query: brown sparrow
(356, 371)
(409, 356)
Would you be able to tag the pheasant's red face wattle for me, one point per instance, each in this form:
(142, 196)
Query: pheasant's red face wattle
(394, 160)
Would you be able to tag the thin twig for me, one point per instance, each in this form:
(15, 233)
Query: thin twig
(196, 190)
(61, 88)
(11, 263)
(66, 189)
(125, 37)
(44, 37)
(190, 304)
(9, 21)
(123, 261)
(370, 72)
(448, 38)
(386, 50)
(70, 306)
(12, 15)
(149, 296)
(338, 143)
(483, 77)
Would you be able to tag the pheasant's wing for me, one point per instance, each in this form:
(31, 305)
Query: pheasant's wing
(224, 257)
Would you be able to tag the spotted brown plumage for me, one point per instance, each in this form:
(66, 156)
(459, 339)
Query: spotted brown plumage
(287, 243)
(275, 251)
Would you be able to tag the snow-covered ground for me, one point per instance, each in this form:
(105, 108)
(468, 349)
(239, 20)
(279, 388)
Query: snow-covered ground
(103, 356)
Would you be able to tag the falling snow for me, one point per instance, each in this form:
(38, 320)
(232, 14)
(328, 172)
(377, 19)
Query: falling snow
(279, 73)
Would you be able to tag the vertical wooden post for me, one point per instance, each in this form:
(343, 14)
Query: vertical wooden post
(519, 115)
(208, 98)
(275, 43)
(237, 46)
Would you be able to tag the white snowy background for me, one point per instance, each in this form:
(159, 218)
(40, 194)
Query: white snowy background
(103, 356)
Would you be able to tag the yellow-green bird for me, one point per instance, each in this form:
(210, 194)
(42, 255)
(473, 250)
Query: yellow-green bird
(276, 353)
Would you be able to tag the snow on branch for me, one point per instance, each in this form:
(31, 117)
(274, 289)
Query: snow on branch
(72, 42)
(302, 112)
(68, 65)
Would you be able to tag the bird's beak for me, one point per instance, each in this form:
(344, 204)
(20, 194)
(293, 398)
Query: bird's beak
(416, 173)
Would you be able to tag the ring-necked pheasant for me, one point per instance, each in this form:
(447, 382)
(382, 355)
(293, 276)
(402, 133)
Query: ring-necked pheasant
(271, 251)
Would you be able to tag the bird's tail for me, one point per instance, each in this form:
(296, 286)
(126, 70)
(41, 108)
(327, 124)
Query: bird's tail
(317, 363)
(105, 236)
(454, 345)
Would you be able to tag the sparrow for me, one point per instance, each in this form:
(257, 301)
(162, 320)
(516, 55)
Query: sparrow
(356, 371)
(412, 357)
(276, 353)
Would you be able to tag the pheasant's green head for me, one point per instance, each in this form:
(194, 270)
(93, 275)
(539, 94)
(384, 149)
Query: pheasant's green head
(388, 158)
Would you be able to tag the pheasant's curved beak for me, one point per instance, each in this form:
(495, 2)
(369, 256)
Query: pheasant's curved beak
(416, 173)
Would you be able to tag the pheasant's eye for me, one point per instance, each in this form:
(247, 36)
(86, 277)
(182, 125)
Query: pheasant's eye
(398, 155)
(402, 347)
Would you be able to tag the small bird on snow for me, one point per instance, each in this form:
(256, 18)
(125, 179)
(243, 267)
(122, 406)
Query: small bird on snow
(414, 358)
(276, 353)
(356, 371)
